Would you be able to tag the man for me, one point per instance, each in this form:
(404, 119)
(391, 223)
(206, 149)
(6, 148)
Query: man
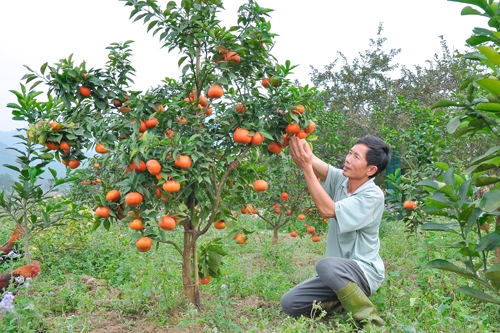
(352, 269)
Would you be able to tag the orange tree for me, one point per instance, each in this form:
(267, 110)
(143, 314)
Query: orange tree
(176, 144)
(274, 190)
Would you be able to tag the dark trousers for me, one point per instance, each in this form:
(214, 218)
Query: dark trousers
(333, 274)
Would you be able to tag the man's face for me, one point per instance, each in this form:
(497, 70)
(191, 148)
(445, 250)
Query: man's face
(355, 166)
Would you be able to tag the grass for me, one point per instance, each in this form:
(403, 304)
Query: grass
(97, 282)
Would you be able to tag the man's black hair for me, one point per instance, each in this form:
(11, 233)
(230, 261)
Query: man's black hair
(379, 153)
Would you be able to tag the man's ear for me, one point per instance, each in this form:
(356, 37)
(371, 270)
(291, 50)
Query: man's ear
(371, 170)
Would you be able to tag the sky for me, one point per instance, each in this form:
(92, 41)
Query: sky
(311, 33)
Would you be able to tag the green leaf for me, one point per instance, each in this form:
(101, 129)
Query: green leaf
(492, 85)
(490, 201)
(439, 227)
(489, 242)
(429, 183)
(445, 265)
(453, 124)
(446, 103)
(484, 180)
(490, 53)
(479, 295)
(470, 11)
(476, 40)
(493, 275)
(492, 107)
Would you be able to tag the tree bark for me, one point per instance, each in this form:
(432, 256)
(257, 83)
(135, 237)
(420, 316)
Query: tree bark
(274, 240)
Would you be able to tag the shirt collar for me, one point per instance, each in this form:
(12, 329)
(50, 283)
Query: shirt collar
(368, 183)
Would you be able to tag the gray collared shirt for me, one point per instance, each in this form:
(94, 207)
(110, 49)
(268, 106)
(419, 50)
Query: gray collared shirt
(354, 233)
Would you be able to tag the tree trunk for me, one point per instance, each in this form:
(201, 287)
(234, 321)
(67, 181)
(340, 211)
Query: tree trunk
(190, 286)
(274, 240)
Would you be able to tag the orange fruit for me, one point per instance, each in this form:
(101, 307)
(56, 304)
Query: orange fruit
(294, 234)
(311, 127)
(133, 199)
(292, 128)
(232, 57)
(220, 224)
(150, 123)
(241, 136)
(257, 139)
(215, 91)
(139, 168)
(298, 109)
(265, 82)
(167, 223)
(51, 145)
(205, 280)
(65, 147)
(284, 196)
(171, 186)
(169, 133)
(158, 107)
(100, 148)
(73, 164)
(55, 125)
(84, 91)
(315, 238)
(240, 238)
(136, 225)
(113, 195)
(260, 185)
(183, 162)
(301, 217)
(142, 127)
(96, 166)
(410, 205)
(311, 230)
(240, 108)
(124, 109)
(144, 244)
(102, 212)
(301, 134)
(274, 147)
(154, 167)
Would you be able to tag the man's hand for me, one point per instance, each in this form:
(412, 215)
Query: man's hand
(301, 153)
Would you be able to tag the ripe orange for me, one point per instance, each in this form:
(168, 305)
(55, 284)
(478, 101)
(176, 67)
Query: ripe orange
(73, 164)
(154, 167)
(124, 109)
(65, 147)
(311, 127)
(150, 123)
(220, 224)
(144, 244)
(158, 107)
(265, 82)
(410, 205)
(298, 109)
(260, 185)
(167, 223)
(257, 139)
(301, 134)
(169, 133)
(274, 147)
(117, 103)
(315, 238)
(183, 162)
(136, 225)
(55, 125)
(51, 145)
(171, 186)
(113, 195)
(301, 217)
(205, 280)
(96, 166)
(232, 57)
(142, 127)
(209, 111)
(215, 91)
(84, 91)
(100, 148)
(284, 196)
(311, 230)
(133, 199)
(102, 212)
(139, 168)
(294, 234)
(240, 108)
(292, 128)
(240, 238)
(203, 101)
(241, 136)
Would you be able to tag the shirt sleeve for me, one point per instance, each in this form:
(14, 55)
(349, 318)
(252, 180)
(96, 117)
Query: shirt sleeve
(359, 211)
(333, 178)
